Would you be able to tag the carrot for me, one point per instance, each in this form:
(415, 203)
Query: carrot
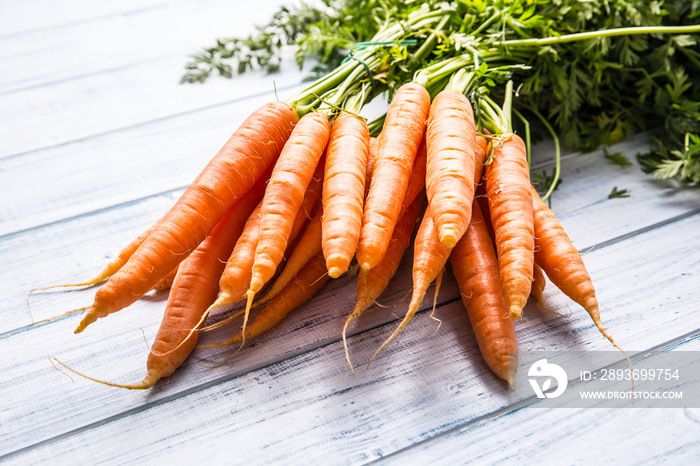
(228, 176)
(343, 191)
(307, 282)
(398, 144)
(371, 156)
(476, 268)
(451, 143)
(429, 258)
(373, 283)
(562, 263)
(236, 276)
(309, 206)
(193, 290)
(285, 193)
(510, 205)
(416, 182)
(308, 246)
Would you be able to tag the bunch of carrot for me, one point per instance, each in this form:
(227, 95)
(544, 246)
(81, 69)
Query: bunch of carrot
(291, 200)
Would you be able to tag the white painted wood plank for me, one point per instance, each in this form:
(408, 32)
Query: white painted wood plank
(123, 35)
(23, 16)
(115, 168)
(40, 118)
(420, 386)
(119, 71)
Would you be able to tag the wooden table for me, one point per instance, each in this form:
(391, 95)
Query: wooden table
(98, 139)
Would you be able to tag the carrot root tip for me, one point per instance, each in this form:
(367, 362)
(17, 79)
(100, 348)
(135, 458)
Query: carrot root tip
(448, 240)
(335, 272)
(89, 318)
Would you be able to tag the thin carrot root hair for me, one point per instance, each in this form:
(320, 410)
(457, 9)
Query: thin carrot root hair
(415, 306)
(95, 281)
(221, 323)
(438, 282)
(145, 340)
(59, 370)
(65, 314)
(595, 316)
(350, 318)
(543, 305)
(148, 381)
(560, 314)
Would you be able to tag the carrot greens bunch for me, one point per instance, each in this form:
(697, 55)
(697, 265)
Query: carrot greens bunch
(585, 70)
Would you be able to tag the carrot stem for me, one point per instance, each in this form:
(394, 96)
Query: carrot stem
(539, 42)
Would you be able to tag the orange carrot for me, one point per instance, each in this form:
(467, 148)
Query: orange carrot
(398, 145)
(308, 246)
(309, 206)
(285, 193)
(562, 263)
(371, 155)
(343, 191)
(451, 143)
(476, 268)
(371, 284)
(416, 182)
(227, 177)
(307, 282)
(195, 287)
(510, 205)
(236, 276)
(429, 258)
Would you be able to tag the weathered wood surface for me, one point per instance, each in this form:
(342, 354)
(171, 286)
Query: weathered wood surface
(96, 153)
